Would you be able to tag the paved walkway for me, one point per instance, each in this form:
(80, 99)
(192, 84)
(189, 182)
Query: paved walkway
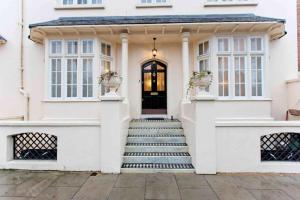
(24, 185)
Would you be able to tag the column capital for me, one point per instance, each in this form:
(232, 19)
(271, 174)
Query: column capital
(185, 35)
(124, 36)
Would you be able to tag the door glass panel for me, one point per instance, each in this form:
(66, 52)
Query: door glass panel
(161, 81)
(147, 82)
(160, 67)
(148, 67)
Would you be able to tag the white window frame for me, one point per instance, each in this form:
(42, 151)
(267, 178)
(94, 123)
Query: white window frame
(75, 5)
(204, 56)
(80, 56)
(154, 4)
(215, 3)
(248, 79)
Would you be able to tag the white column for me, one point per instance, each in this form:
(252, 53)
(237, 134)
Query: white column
(124, 67)
(185, 64)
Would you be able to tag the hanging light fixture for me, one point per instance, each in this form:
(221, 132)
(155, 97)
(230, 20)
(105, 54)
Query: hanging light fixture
(154, 50)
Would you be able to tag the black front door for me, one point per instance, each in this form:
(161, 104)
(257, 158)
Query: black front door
(154, 88)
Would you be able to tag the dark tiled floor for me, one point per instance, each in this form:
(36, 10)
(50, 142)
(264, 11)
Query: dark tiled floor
(24, 185)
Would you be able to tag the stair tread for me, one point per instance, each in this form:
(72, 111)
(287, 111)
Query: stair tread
(154, 135)
(158, 165)
(150, 154)
(155, 120)
(156, 144)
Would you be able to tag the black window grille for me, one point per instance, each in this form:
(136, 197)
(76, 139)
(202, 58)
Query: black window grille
(280, 147)
(35, 146)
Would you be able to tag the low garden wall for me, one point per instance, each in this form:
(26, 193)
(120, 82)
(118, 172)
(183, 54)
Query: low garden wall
(71, 146)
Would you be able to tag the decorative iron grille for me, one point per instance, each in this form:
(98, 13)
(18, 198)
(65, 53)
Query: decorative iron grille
(280, 147)
(35, 146)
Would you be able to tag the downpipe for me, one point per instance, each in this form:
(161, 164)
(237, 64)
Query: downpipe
(22, 90)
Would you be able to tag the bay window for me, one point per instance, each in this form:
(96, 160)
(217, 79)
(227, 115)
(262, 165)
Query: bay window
(71, 69)
(240, 67)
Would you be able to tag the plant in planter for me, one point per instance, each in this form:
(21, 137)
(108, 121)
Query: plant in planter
(201, 80)
(111, 81)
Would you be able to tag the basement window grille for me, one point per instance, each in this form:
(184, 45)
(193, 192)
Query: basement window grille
(35, 146)
(280, 147)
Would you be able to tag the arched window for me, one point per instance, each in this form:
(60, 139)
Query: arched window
(35, 146)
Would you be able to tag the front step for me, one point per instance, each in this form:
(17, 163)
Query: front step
(153, 139)
(155, 131)
(143, 123)
(157, 159)
(156, 146)
(156, 149)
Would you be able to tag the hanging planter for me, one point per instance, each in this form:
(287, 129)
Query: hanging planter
(111, 82)
(201, 80)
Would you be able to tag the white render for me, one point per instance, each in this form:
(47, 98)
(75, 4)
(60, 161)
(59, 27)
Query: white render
(102, 122)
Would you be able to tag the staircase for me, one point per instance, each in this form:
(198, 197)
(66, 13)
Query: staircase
(156, 146)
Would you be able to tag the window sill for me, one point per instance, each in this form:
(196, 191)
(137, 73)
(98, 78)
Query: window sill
(161, 5)
(228, 100)
(70, 101)
(77, 7)
(224, 4)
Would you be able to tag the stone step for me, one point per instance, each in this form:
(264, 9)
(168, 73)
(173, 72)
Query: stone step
(158, 159)
(156, 154)
(156, 140)
(157, 166)
(156, 149)
(157, 170)
(156, 135)
(155, 124)
(153, 131)
(156, 144)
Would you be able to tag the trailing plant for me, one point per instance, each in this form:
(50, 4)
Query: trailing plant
(107, 76)
(196, 77)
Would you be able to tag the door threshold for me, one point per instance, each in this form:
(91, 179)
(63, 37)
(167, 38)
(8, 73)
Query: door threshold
(154, 116)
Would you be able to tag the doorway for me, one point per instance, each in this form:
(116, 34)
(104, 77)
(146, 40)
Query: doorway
(154, 88)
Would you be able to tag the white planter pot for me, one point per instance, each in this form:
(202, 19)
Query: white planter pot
(112, 84)
(202, 84)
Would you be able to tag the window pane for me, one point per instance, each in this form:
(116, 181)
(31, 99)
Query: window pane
(72, 47)
(223, 77)
(56, 47)
(256, 74)
(206, 47)
(72, 78)
(201, 52)
(87, 46)
(87, 78)
(55, 77)
(160, 81)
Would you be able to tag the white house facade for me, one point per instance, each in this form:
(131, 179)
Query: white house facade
(54, 114)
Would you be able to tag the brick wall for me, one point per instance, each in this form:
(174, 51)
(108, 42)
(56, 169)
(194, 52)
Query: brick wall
(298, 24)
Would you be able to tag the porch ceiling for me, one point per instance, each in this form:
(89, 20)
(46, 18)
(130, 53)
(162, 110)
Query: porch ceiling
(171, 26)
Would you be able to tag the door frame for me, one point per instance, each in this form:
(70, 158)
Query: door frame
(141, 89)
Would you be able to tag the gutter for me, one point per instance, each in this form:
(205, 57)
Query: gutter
(22, 90)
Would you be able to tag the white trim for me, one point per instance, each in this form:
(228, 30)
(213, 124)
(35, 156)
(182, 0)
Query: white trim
(49, 123)
(208, 3)
(75, 5)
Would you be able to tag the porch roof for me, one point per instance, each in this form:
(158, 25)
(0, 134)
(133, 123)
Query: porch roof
(158, 24)
(164, 19)
(2, 40)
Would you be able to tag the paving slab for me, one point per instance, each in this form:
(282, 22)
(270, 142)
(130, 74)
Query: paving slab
(226, 189)
(96, 188)
(71, 179)
(190, 181)
(270, 195)
(131, 180)
(127, 194)
(58, 193)
(161, 186)
(30, 188)
(201, 193)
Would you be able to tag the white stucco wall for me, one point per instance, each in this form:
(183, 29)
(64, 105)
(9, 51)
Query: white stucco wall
(283, 56)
